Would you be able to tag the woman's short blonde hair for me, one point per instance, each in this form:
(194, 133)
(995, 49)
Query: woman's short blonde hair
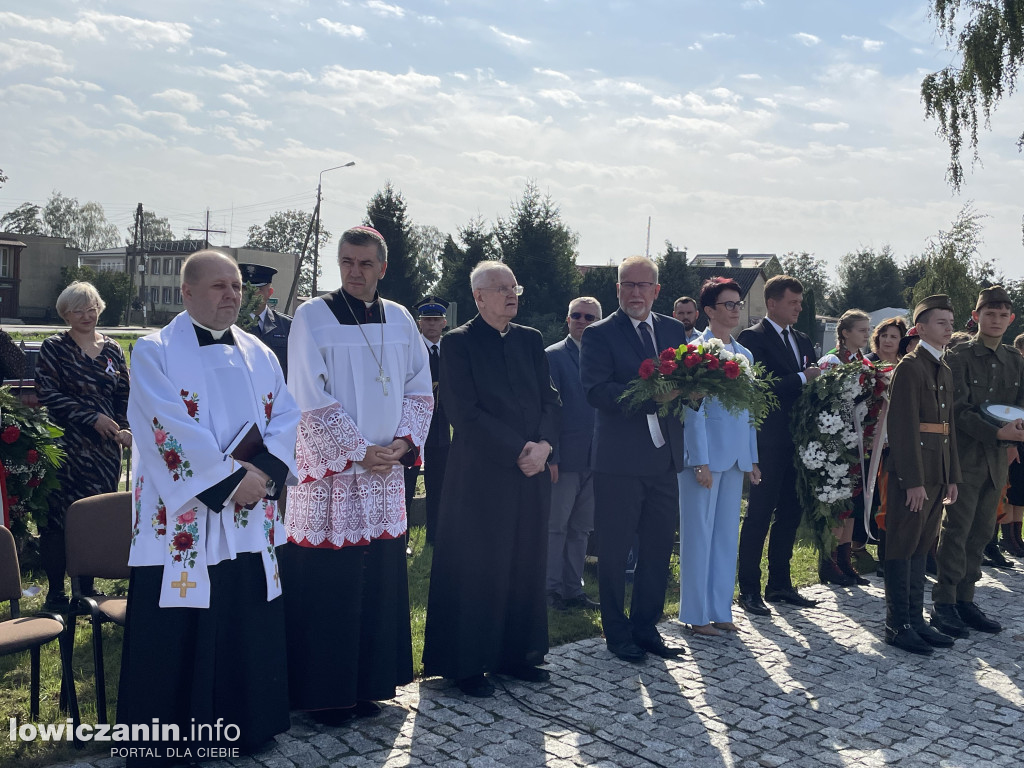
(79, 295)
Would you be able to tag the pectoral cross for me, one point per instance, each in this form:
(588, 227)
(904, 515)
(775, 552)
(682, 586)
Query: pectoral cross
(383, 381)
(183, 585)
(277, 577)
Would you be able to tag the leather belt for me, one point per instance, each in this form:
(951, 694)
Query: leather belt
(935, 429)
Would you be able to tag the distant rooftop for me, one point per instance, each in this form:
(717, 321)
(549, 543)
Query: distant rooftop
(732, 258)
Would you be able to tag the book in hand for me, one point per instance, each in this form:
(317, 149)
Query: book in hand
(246, 444)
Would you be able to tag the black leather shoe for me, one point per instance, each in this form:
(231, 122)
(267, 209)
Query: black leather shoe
(790, 596)
(581, 601)
(995, 559)
(333, 717)
(905, 638)
(658, 648)
(628, 651)
(367, 708)
(753, 603)
(946, 619)
(972, 616)
(932, 636)
(526, 672)
(477, 686)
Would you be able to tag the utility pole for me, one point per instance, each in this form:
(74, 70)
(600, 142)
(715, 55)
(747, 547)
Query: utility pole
(130, 255)
(206, 230)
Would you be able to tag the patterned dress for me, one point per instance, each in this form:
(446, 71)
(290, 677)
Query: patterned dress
(76, 390)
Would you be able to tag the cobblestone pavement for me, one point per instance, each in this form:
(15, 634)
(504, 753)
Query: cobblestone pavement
(813, 687)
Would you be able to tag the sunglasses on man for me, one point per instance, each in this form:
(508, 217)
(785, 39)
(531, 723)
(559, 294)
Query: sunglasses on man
(584, 315)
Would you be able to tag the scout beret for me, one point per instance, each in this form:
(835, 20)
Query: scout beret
(994, 295)
(938, 301)
(257, 274)
(432, 306)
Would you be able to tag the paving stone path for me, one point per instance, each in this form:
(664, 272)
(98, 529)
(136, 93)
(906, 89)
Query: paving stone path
(814, 687)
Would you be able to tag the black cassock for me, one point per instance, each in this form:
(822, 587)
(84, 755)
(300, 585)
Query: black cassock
(487, 606)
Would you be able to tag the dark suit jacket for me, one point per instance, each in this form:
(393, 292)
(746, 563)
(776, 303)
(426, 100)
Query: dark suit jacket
(768, 347)
(577, 437)
(440, 434)
(609, 360)
(276, 327)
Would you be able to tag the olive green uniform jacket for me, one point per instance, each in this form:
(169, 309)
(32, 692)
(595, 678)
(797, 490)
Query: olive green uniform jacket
(922, 392)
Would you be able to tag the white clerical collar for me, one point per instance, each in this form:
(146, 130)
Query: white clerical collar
(936, 353)
(216, 334)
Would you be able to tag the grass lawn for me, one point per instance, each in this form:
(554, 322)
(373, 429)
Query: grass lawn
(124, 339)
(563, 627)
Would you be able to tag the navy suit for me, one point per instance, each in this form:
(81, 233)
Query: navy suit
(572, 497)
(276, 327)
(776, 495)
(634, 482)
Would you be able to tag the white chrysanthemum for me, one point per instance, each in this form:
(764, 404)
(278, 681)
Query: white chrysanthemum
(849, 437)
(812, 455)
(713, 346)
(725, 354)
(829, 423)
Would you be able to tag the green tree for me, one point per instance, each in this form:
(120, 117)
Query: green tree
(23, 220)
(953, 267)
(808, 320)
(3, 177)
(84, 226)
(868, 280)
(428, 245)
(541, 250)
(386, 212)
(457, 261)
(987, 39)
(812, 272)
(285, 232)
(677, 279)
(112, 287)
(155, 229)
(599, 283)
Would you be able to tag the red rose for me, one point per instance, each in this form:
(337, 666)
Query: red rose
(667, 354)
(192, 406)
(666, 367)
(879, 386)
(862, 379)
(10, 435)
(267, 409)
(713, 362)
(31, 455)
(646, 369)
(172, 459)
(161, 516)
(184, 393)
(691, 347)
(731, 369)
(33, 482)
(691, 359)
(182, 541)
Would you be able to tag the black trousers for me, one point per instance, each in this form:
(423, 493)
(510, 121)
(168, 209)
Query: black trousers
(435, 460)
(772, 506)
(628, 507)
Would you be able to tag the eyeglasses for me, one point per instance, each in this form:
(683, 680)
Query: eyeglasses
(83, 312)
(584, 315)
(730, 305)
(629, 285)
(506, 289)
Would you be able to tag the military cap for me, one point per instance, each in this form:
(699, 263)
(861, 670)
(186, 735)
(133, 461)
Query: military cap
(432, 306)
(257, 274)
(994, 295)
(938, 301)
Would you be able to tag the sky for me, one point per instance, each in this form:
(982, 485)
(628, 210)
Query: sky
(762, 125)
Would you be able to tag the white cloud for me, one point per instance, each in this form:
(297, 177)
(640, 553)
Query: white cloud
(431, 20)
(865, 43)
(213, 52)
(622, 87)
(765, 101)
(250, 120)
(77, 30)
(510, 39)
(725, 94)
(750, 76)
(385, 9)
(752, 4)
(344, 30)
(141, 33)
(806, 38)
(77, 85)
(233, 100)
(15, 54)
(696, 47)
(32, 93)
(561, 96)
(182, 100)
(718, 36)
(552, 73)
(378, 88)
(829, 127)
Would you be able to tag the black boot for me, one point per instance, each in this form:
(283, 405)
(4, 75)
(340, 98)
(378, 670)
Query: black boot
(946, 619)
(881, 554)
(1009, 541)
(927, 633)
(829, 573)
(994, 558)
(898, 631)
(51, 553)
(844, 559)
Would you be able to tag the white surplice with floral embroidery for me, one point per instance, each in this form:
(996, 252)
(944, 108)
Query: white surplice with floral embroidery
(186, 404)
(334, 378)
